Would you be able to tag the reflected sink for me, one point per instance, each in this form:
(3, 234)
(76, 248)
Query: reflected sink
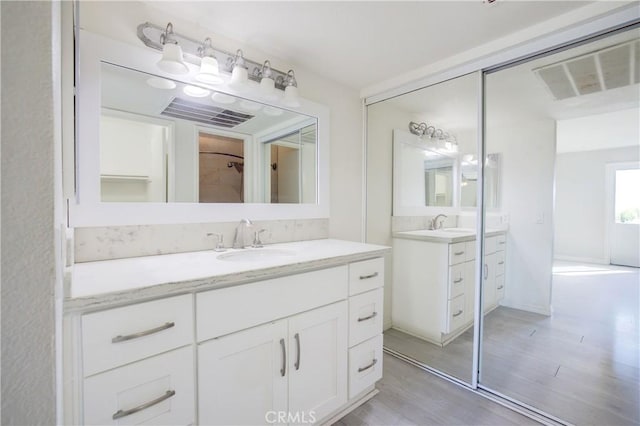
(256, 255)
(459, 230)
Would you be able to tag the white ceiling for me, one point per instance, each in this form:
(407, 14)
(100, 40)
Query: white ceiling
(360, 43)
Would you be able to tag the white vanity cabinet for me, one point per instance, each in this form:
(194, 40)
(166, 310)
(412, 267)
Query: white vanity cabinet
(433, 288)
(299, 348)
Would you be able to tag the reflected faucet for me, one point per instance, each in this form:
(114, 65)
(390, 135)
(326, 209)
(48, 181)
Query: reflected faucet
(239, 241)
(433, 224)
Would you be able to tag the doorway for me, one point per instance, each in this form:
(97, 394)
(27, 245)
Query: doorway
(623, 213)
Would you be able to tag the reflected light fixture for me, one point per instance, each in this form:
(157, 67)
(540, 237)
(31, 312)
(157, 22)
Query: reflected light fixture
(239, 75)
(172, 58)
(161, 83)
(221, 98)
(250, 106)
(209, 70)
(291, 98)
(267, 83)
(195, 91)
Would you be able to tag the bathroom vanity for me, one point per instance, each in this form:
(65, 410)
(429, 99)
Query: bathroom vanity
(240, 337)
(433, 288)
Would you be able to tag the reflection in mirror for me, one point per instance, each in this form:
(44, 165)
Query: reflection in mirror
(285, 157)
(166, 141)
(438, 177)
(469, 177)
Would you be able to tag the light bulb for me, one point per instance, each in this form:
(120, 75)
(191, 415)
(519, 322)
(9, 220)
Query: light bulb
(171, 61)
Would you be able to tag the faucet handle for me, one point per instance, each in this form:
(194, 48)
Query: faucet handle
(220, 241)
(256, 239)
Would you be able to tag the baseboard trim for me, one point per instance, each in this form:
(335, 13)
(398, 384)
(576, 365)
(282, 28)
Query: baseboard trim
(529, 308)
(594, 260)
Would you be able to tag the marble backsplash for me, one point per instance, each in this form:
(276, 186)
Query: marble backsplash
(116, 242)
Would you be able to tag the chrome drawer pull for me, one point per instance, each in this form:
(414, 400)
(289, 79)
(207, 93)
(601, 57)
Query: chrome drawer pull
(118, 339)
(501, 263)
(373, 315)
(297, 364)
(501, 287)
(283, 370)
(459, 280)
(458, 253)
(366, 277)
(374, 362)
(124, 413)
(457, 314)
(500, 242)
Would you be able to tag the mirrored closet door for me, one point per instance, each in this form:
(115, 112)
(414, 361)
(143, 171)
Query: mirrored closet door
(561, 326)
(421, 199)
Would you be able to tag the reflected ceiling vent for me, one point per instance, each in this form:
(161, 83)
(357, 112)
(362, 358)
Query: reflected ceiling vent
(202, 113)
(606, 69)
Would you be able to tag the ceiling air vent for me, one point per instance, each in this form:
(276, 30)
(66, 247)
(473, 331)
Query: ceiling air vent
(202, 113)
(606, 69)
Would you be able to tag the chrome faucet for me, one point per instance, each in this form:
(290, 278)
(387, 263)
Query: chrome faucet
(239, 241)
(433, 224)
(257, 243)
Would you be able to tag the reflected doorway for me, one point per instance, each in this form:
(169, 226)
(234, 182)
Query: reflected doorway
(221, 169)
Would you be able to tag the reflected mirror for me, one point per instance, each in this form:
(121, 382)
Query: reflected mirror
(166, 141)
(469, 178)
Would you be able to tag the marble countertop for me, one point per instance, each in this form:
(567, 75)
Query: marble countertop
(108, 283)
(446, 235)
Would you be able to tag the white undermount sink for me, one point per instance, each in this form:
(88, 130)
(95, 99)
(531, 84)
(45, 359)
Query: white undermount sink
(255, 255)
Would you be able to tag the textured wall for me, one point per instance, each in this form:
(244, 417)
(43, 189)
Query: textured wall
(28, 200)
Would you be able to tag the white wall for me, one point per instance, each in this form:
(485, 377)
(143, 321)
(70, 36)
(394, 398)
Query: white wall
(601, 131)
(120, 19)
(581, 193)
(527, 145)
(30, 210)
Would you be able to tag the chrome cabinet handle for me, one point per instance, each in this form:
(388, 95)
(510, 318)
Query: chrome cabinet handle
(501, 287)
(501, 242)
(124, 413)
(283, 370)
(457, 314)
(297, 364)
(459, 280)
(458, 253)
(373, 315)
(118, 339)
(366, 277)
(486, 271)
(374, 362)
(501, 263)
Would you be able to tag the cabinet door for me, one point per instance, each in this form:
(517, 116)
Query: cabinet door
(243, 376)
(318, 361)
(489, 281)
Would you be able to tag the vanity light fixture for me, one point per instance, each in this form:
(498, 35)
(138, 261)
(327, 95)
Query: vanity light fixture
(239, 75)
(172, 58)
(267, 83)
(291, 98)
(209, 70)
(442, 141)
(180, 50)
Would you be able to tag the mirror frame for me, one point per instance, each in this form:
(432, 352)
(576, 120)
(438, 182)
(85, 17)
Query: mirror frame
(87, 209)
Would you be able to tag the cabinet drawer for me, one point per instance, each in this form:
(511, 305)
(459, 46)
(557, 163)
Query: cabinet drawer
(366, 275)
(158, 390)
(470, 248)
(365, 365)
(457, 280)
(500, 258)
(457, 253)
(490, 244)
(365, 316)
(501, 242)
(500, 287)
(123, 335)
(231, 309)
(455, 313)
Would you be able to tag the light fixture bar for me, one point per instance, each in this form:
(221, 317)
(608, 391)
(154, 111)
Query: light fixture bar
(150, 35)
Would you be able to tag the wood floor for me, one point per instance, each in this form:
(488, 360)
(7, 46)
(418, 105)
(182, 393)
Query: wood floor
(410, 396)
(581, 364)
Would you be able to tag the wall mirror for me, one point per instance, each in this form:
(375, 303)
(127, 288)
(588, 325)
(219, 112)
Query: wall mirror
(162, 140)
(157, 148)
(469, 178)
